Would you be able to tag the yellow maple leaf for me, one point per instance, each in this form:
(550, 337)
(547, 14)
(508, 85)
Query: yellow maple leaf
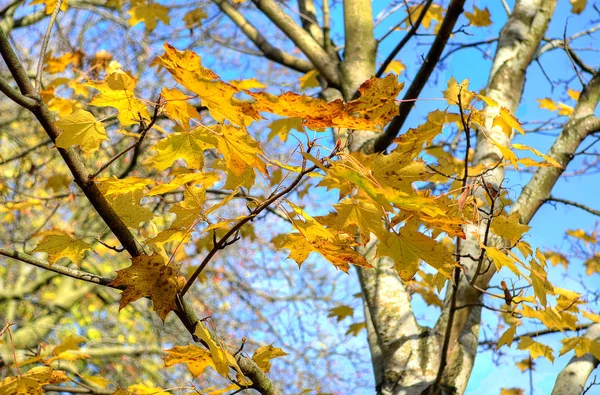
(454, 89)
(51, 5)
(377, 101)
(149, 13)
(479, 17)
(188, 146)
(434, 13)
(354, 329)
(591, 316)
(177, 108)
(113, 186)
(396, 67)
(371, 111)
(149, 276)
(539, 280)
(207, 179)
(250, 83)
(547, 103)
(564, 109)
(220, 357)
(525, 364)
(309, 80)
(80, 128)
(127, 206)
(216, 95)
(507, 337)
(547, 158)
(507, 153)
(68, 356)
(143, 389)
(194, 17)
(536, 349)
(59, 246)
(314, 237)
(264, 354)
(500, 259)
(411, 143)
(117, 90)
(592, 265)
(282, 127)
(365, 215)
(507, 121)
(581, 345)
(240, 150)
(190, 209)
(556, 258)
(582, 235)
(409, 246)
(340, 312)
(511, 391)
(31, 382)
(60, 63)
(573, 94)
(196, 358)
(509, 228)
(69, 343)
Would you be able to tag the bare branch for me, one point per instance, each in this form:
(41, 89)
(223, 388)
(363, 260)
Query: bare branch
(534, 334)
(574, 204)
(326, 66)
(26, 152)
(413, 30)
(581, 124)
(435, 52)
(45, 41)
(269, 51)
(65, 271)
(15, 96)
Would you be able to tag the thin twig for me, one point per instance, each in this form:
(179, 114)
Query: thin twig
(457, 271)
(402, 43)
(38, 75)
(537, 333)
(574, 204)
(12, 345)
(144, 130)
(234, 229)
(24, 153)
(381, 142)
(566, 46)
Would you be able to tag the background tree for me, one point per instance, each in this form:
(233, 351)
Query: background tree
(456, 187)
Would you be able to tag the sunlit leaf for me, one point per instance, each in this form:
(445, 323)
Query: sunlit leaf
(150, 276)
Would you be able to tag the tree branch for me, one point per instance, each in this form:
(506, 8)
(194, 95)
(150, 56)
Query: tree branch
(25, 153)
(63, 270)
(14, 95)
(81, 176)
(382, 141)
(326, 66)
(269, 51)
(571, 380)
(581, 124)
(45, 41)
(535, 334)
(574, 204)
(413, 30)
